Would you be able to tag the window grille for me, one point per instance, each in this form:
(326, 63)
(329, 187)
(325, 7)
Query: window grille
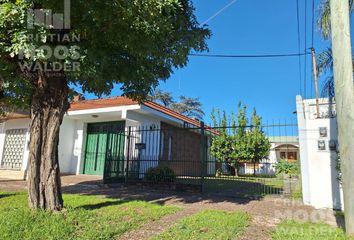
(14, 147)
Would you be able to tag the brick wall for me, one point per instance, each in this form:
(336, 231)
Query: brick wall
(180, 150)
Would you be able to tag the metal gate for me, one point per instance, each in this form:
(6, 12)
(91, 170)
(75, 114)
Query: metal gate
(104, 152)
(182, 158)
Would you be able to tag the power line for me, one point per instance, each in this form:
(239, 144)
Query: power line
(218, 12)
(249, 56)
(312, 38)
(313, 22)
(299, 42)
(305, 56)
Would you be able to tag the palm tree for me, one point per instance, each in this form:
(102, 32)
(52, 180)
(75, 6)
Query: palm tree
(325, 58)
(325, 65)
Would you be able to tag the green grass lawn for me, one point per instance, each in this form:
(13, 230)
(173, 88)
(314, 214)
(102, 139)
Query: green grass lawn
(292, 230)
(208, 224)
(84, 217)
(239, 186)
(244, 186)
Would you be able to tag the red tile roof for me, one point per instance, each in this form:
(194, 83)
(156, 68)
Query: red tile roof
(172, 113)
(101, 103)
(124, 101)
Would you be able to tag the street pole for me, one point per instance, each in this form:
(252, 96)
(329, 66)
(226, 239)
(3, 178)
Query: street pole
(314, 66)
(344, 94)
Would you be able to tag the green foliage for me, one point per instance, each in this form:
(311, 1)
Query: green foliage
(222, 148)
(160, 174)
(258, 145)
(324, 17)
(307, 231)
(85, 217)
(134, 44)
(288, 168)
(325, 58)
(163, 97)
(218, 173)
(208, 224)
(238, 141)
(191, 107)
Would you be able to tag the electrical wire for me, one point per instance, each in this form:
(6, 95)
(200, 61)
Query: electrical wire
(299, 43)
(249, 56)
(305, 56)
(312, 40)
(313, 23)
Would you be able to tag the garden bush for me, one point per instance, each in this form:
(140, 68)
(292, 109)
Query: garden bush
(160, 174)
(287, 168)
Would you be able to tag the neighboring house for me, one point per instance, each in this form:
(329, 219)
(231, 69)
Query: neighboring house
(282, 148)
(318, 153)
(94, 134)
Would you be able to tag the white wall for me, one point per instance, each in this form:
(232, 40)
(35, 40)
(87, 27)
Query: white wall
(66, 143)
(72, 158)
(72, 135)
(148, 156)
(320, 185)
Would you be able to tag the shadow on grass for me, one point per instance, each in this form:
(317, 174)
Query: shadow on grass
(5, 195)
(215, 190)
(243, 188)
(102, 205)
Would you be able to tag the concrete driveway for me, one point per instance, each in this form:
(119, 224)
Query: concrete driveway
(84, 181)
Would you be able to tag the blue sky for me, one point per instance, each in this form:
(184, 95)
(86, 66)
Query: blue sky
(249, 27)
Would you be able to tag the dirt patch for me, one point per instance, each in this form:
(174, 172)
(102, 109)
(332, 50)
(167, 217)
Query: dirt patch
(260, 228)
(156, 227)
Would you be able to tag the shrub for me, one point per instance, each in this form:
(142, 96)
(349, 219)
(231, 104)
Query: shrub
(160, 174)
(288, 168)
(218, 173)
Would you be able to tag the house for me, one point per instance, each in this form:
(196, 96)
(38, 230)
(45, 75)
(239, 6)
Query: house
(318, 153)
(282, 148)
(112, 137)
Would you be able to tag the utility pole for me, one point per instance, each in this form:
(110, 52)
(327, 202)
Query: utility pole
(344, 94)
(314, 66)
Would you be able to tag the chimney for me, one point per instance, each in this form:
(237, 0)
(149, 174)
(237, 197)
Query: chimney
(78, 97)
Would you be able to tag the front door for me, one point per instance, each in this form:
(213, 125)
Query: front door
(99, 146)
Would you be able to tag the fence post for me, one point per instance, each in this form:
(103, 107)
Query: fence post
(202, 155)
(128, 155)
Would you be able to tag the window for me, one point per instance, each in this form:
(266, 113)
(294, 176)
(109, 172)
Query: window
(162, 143)
(291, 156)
(170, 148)
(15, 142)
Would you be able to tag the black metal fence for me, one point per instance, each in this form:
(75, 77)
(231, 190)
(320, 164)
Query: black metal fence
(182, 158)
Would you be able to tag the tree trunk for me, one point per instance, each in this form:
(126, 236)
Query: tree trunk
(254, 168)
(236, 169)
(48, 106)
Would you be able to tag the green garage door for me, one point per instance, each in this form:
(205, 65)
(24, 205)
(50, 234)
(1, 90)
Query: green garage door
(104, 141)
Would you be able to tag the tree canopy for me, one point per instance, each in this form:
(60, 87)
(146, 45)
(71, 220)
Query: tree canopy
(191, 107)
(240, 138)
(131, 43)
(47, 47)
